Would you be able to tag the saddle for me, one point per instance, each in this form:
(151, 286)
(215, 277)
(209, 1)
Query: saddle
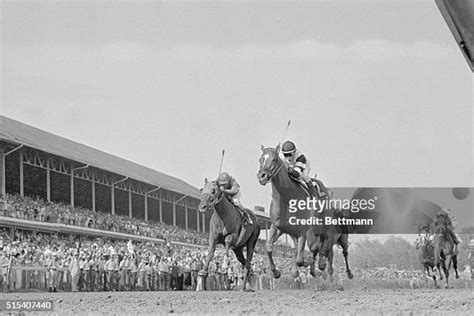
(318, 190)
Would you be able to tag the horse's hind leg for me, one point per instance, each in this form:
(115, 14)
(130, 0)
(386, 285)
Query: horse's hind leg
(273, 236)
(250, 250)
(312, 267)
(240, 256)
(330, 268)
(344, 242)
(455, 265)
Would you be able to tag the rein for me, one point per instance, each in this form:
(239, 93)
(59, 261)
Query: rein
(216, 200)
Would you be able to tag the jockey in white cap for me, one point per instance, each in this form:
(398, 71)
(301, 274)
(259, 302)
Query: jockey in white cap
(231, 188)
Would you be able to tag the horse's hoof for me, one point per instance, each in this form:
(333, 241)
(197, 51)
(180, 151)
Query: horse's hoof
(324, 275)
(276, 274)
(457, 276)
(350, 275)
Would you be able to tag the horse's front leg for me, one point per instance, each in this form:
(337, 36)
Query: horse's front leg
(344, 242)
(210, 255)
(299, 254)
(273, 236)
(294, 268)
(446, 268)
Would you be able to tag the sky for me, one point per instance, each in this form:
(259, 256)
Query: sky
(377, 92)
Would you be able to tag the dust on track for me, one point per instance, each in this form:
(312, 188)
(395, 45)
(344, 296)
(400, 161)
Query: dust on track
(283, 302)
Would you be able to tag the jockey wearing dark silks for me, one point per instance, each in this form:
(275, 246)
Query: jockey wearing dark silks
(231, 188)
(450, 222)
(299, 167)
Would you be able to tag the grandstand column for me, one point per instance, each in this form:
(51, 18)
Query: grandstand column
(3, 190)
(48, 181)
(174, 208)
(186, 217)
(161, 211)
(174, 214)
(198, 221)
(93, 195)
(22, 178)
(146, 203)
(130, 203)
(146, 207)
(2, 173)
(112, 201)
(203, 222)
(72, 183)
(71, 186)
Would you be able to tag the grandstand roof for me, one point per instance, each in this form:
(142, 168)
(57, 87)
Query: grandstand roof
(17, 132)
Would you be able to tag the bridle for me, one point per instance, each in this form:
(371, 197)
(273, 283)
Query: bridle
(215, 199)
(273, 171)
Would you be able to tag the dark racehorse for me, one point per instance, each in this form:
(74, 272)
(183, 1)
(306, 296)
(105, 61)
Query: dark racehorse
(226, 228)
(426, 256)
(445, 252)
(284, 191)
(322, 239)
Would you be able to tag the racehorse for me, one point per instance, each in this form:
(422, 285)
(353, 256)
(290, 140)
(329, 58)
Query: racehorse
(426, 256)
(323, 238)
(445, 251)
(226, 228)
(284, 191)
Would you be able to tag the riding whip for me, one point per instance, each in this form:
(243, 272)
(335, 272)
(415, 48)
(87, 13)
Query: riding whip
(286, 130)
(222, 159)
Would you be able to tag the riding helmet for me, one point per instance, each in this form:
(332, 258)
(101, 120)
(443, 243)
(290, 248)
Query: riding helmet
(288, 147)
(224, 178)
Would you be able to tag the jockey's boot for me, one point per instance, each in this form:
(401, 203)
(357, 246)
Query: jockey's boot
(245, 217)
(314, 189)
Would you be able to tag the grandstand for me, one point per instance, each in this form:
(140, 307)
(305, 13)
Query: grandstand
(55, 169)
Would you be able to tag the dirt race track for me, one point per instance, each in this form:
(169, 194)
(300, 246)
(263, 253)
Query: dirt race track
(283, 302)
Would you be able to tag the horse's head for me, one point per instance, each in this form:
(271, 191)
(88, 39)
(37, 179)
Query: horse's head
(210, 195)
(270, 164)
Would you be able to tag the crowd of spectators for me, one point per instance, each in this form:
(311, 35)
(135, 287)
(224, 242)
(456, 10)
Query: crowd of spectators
(78, 263)
(39, 210)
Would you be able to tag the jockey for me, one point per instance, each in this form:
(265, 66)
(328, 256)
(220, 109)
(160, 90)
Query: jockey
(299, 165)
(231, 189)
(450, 221)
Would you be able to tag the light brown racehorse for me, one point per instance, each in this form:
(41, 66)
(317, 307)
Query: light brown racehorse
(284, 190)
(226, 227)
